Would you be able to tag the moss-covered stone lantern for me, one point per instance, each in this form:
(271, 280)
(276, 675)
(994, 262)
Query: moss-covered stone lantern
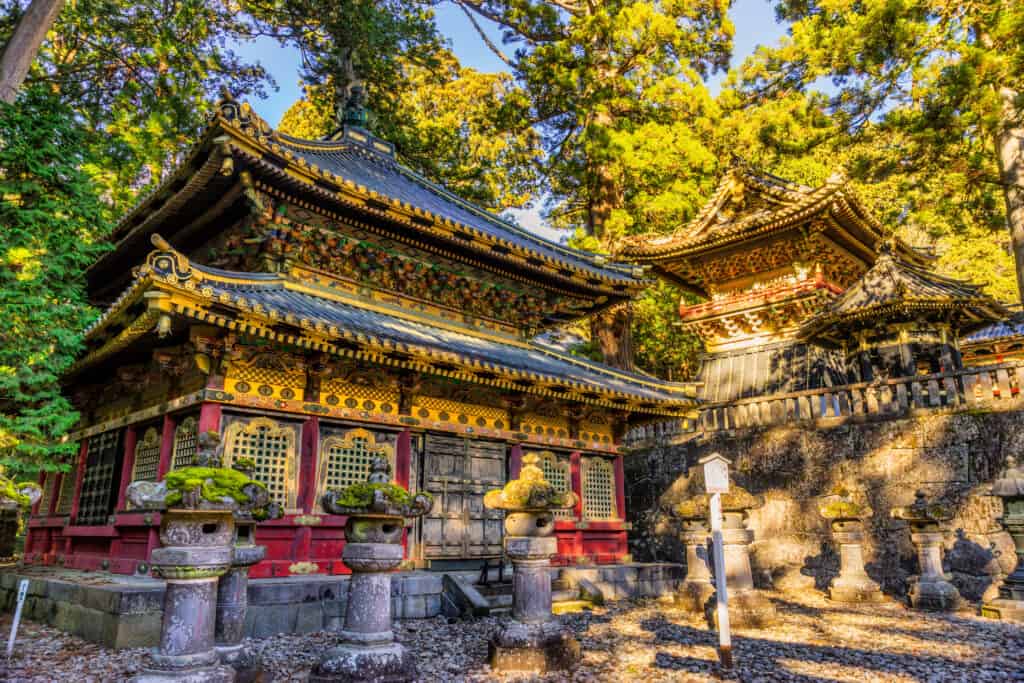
(377, 510)
(15, 499)
(1010, 487)
(233, 585)
(931, 590)
(197, 530)
(845, 512)
(697, 587)
(532, 640)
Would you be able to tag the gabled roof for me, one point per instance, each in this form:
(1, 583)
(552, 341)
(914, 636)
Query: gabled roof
(354, 174)
(749, 204)
(1011, 328)
(273, 306)
(893, 289)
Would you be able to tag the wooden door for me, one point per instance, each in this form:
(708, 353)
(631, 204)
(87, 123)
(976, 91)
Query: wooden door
(458, 472)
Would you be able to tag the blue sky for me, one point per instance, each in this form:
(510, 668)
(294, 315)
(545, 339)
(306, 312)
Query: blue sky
(754, 20)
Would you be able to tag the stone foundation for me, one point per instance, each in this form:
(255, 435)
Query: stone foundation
(952, 455)
(125, 611)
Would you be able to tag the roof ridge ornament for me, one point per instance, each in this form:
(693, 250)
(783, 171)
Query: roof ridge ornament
(168, 263)
(240, 114)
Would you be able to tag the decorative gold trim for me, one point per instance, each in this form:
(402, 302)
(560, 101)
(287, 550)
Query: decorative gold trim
(249, 427)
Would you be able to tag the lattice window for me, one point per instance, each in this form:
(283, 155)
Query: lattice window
(598, 489)
(271, 447)
(346, 459)
(558, 474)
(98, 485)
(49, 486)
(184, 450)
(67, 492)
(147, 456)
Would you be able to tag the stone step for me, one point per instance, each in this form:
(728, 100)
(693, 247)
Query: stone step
(495, 589)
(501, 611)
(500, 601)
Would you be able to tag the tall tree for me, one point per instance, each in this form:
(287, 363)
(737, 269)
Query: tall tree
(23, 45)
(53, 223)
(939, 81)
(616, 89)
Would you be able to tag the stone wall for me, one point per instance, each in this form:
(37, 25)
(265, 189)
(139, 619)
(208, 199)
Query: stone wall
(953, 455)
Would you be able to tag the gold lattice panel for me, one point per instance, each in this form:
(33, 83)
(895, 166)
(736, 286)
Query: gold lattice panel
(184, 449)
(271, 447)
(147, 456)
(49, 488)
(67, 492)
(598, 489)
(340, 389)
(266, 376)
(558, 473)
(456, 412)
(346, 459)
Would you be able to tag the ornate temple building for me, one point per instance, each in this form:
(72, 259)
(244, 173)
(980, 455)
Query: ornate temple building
(318, 304)
(768, 255)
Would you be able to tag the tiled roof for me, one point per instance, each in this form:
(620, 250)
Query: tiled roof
(1004, 329)
(405, 335)
(893, 285)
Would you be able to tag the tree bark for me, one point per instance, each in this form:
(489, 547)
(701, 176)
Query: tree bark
(1010, 157)
(611, 329)
(22, 48)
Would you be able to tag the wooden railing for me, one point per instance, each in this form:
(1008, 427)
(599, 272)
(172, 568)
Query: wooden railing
(984, 388)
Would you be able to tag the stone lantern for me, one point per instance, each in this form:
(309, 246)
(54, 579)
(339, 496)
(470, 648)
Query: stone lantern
(197, 530)
(14, 500)
(532, 640)
(931, 590)
(748, 607)
(697, 587)
(233, 585)
(377, 510)
(1010, 487)
(845, 516)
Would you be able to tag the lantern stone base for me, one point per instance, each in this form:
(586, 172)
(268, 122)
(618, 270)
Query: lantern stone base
(934, 595)
(853, 593)
(747, 609)
(211, 674)
(389, 663)
(1004, 609)
(538, 647)
(693, 596)
(242, 659)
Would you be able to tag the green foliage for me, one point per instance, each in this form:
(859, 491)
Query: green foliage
(214, 484)
(661, 345)
(141, 76)
(52, 222)
(9, 490)
(361, 494)
(923, 90)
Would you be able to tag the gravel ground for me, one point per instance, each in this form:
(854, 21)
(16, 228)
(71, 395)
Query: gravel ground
(813, 642)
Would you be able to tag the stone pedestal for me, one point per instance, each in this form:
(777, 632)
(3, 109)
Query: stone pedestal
(1010, 487)
(366, 650)
(853, 585)
(931, 590)
(697, 588)
(748, 607)
(233, 602)
(197, 550)
(532, 641)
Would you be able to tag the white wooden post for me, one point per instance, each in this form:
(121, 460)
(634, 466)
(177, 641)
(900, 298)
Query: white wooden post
(22, 592)
(716, 482)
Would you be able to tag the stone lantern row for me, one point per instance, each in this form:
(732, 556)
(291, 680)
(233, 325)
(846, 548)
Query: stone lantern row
(930, 590)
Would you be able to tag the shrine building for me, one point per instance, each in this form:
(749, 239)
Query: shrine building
(768, 255)
(318, 304)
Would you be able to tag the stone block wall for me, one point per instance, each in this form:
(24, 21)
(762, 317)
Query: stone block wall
(952, 455)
